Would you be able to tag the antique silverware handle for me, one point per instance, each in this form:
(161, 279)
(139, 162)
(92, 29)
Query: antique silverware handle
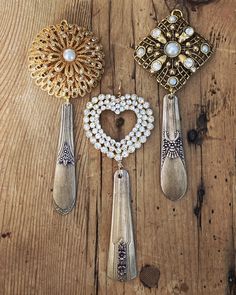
(173, 170)
(64, 190)
(122, 259)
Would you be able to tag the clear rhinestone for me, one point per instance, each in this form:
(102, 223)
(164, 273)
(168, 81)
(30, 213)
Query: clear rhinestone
(111, 148)
(86, 119)
(134, 138)
(129, 142)
(97, 145)
(143, 139)
(141, 99)
(151, 119)
(144, 117)
(110, 155)
(101, 96)
(94, 99)
(89, 105)
(125, 154)
(150, 126)
(141, 129)
(93, 140)
(86, 127)
(104, 149)
(118, 150)
(137, 145)
(149, 112)
(147, 133)
(88, 134)
(118, 157)
(131, 149)
(97, 135)
(146, 105)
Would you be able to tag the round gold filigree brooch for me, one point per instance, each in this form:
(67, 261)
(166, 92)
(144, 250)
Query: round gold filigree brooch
(66, 60)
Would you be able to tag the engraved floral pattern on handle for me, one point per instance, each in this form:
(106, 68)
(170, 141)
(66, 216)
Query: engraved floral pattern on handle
(173, 169)
(64, 190)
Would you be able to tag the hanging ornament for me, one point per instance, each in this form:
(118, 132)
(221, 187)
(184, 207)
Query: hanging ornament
(172, 52)
(122, 258)
(66, 61)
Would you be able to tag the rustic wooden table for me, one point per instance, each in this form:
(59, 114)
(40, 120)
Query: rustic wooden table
(187, 247)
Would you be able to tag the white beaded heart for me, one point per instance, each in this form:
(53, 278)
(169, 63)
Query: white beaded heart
(138, 135)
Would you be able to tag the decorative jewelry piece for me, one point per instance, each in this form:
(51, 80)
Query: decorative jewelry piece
(172, 53)
(122, 259)
(66, 61)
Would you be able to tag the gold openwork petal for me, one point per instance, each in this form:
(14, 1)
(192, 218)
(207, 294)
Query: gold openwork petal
(58, 75)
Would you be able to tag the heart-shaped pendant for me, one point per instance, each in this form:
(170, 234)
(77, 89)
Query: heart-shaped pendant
(122, 258)
(138, 135)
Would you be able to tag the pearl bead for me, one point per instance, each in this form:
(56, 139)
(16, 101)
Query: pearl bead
(188, 63)
(172, 19)
(140, 52)
(172, 81)
(69, 54)
(156, 66)
(156, 33)
(172, 49)
(205, 48)
(189, 31)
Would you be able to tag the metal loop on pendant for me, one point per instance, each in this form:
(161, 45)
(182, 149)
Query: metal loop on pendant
(177, 12)
(120, 167)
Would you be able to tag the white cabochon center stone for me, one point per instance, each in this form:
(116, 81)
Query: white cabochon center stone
(172, 49)
(69, 54)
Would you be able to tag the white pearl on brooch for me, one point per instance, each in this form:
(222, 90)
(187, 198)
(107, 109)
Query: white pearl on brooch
(69, 54)
(172, 49)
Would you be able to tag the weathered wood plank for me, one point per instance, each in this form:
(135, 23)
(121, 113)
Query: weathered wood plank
(45, 253)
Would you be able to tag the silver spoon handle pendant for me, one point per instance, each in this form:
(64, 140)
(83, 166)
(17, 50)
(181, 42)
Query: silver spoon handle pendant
(64, 190)
(122, 258)
(173, 169)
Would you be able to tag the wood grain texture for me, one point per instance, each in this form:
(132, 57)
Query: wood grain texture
(44, 253)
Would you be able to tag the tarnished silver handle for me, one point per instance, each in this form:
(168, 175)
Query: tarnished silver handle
(122, 258)
(173, 170)
(64, 190)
